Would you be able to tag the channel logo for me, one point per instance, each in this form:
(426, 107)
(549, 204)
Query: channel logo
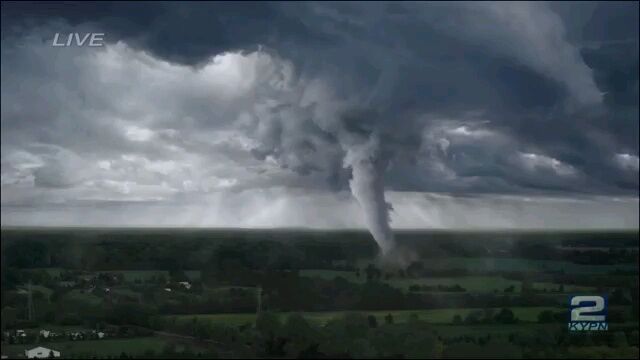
(588, 313)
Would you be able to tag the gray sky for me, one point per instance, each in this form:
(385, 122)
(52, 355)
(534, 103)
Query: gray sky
(221, 114)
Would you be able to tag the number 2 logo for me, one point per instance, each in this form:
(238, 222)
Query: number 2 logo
(580, 313)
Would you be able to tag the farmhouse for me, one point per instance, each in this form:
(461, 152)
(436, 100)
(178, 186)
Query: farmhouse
(67, 284)
(40, 353)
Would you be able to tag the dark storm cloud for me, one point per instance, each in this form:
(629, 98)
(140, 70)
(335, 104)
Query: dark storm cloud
(464, 97)
(185, 32)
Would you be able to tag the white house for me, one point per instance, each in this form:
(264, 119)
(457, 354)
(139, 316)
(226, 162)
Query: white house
(45, 333)
(185, 284)
(40, 353)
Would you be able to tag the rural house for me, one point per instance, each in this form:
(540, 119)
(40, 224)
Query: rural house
(40, 353)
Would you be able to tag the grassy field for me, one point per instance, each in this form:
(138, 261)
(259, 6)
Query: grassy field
(469, 283)
(193, 274)
(140, 275)
(145, 275)
(52, 271)
(490, 264)
(496, 330)
(81, 297)
(125, 292)
(101, 348)
(522, 265)
(43, 289)
(332, 274)
(434, 316)
(477, 284)
(568, 288)
(129, 275)
(224, 290)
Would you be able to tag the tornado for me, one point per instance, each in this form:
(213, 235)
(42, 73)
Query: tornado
(367, 187)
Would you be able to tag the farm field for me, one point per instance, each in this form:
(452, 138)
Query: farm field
(332, 274)
(102, 348)
(433, 316)
(477, 284)
(146, 275)
(449, 330)
(500, 264)
(469, 283)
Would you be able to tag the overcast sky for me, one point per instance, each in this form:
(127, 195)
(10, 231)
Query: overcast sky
(515, 115)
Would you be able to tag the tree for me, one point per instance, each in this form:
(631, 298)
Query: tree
(473, 317)
(618, 297)
(373, 322)
(388, 319)
(298, 328)
(633, 338)
(268, 324)
(527, 286)
(488, 315)
(9, 316)
(169, 349)
(634, 301)
(415, 269)
(178, 275)
(355, 325)
(421, 345)
(457, 319)
(546, 316)
(373, 273)
(299, 333)
(619, 339)
(505, 316)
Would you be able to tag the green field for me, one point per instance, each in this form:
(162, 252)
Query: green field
(146, 275)
(125, 292)
(433, 316)
(40, 288)
(521, 265)
(469, 283)
(477, 284)
(193, 274)
(568, 288)
(332, 274)
(140, 275)
(448, 330)
(52, 271)
(82, 297)
(101, 348)
(224, 290)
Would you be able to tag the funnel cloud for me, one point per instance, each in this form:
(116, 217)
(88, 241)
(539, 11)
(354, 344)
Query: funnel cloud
(368, 188)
